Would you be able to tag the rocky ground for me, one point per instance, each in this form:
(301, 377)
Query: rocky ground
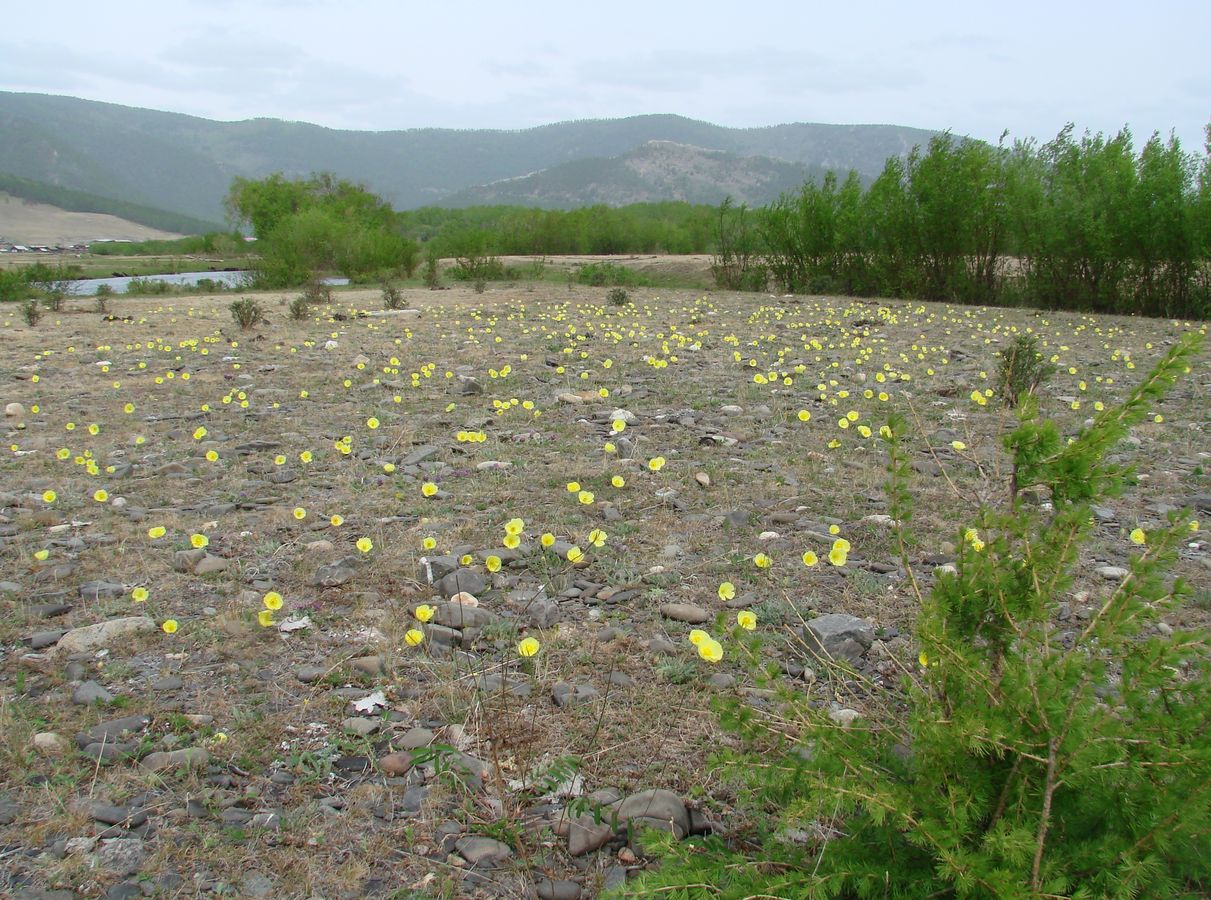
(399, 603)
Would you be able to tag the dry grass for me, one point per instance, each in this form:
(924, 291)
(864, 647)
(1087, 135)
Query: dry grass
(673, 362)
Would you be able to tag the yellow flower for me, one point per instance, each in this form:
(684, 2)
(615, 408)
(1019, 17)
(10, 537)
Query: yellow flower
(414, 637)
(837, 556)
(575, 554)
(94, 429)
(585, 497)
(515, 526)
(1138, 536)
(727, 591)
(466, 559)
(711, 650)
(597, 537)
(272, 600)
(156, 532)
(279, 460)
(428, 489)
(139, 594)
(923, 659)
(609, 447)
(212, 455)
(978, 398)
(547, 539)
(618, 481)
(746, 620)
(842, 544)
(265, 618)
(198, 541)
(305, 456)
(573, 487)
(697, 636)
(804, 416)
(41, 555)
(49, 496)
(63, 453)
(101, 495)
(300, 513)
(336, 520)
(424, 612)
(1194, 524)
(170, 626)
(810, 559)
(492, 563)
(761, 561)
(388, 468)
(511, 541)
(528, 647)
(364, 544)
(618, 425)
(656, 463)
(834, 529)
(199, 433)
(958, 445)
(372, 423)
(429, 543)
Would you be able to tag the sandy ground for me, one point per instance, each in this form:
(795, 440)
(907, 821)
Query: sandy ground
(25, 222)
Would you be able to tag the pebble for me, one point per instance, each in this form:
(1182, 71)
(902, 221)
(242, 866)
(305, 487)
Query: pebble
(1112, 573)
(310, 674)
(483, 852)
(547, 889)
(124, 855)
(103, 634)
(188, 758)
(685, 612)
(101, 590)
(90, 692)
(566, 695)
(49, 742)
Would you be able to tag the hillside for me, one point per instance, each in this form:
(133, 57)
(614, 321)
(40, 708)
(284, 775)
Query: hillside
(657, 170)
(185, 164)
(26, 222)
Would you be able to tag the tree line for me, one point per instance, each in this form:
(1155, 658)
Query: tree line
(1076, 223)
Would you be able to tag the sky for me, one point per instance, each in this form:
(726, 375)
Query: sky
(974, 68)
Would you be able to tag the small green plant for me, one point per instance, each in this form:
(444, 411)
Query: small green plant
(618, 297)
(31, 312)
(432, 275)
(247, 313)
(1022, 370)
(392, 298)
(299, 309)
(316, 291)
(1026, 758)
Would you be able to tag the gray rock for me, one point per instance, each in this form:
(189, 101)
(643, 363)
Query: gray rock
(566, 695)
(542, 613)
(188, 758)
(467, 580)
(420, 455)
(547, 889)
(187, 560)
(458, 615)
(255, 884)
(335, 574)
(210, 564)
(1112, 573)
(40, 640)
(104, 634)
(101, 590)
(113, 729)
(309, 674)
(415, 738)
(586, 834)
(685, 612)
(90, 692)
(839, 636)
(483, 852)
(126, 816)
(434, 568)
(124, 855)
(722, 681)
(659, 809)
(167, 683)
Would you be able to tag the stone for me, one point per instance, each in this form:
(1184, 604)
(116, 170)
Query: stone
(586, 834)
(14, 410)
(839, 636)
(110, 731)
(40, 640)
(50, 743)
(546, 889)
(566, 695)
(368, 665)
(123, 856)
(434, 568)
(722, 681)
(188, 758)
(104, 634)
(415, 738)
(360, 725)
(483, 852)
(210, 564)
(101, 590)
(542, 613)
(1112, 573)
(659, 809)
(398, 763)
(459, 581)
(310, 674)
(460, 616)
(685, 612)
(258, 885)
(90, 692)
(186, 560)
(420, 455)
(112, 814)
(335, 574)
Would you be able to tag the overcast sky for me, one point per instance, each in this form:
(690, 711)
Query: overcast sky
(376, 64)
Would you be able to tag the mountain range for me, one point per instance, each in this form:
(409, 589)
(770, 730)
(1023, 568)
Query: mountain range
(184, 164)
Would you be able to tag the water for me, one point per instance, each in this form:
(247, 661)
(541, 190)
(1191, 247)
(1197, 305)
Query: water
(87, 287)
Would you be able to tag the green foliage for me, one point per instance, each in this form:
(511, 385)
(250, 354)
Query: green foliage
(608, 273)
(432, 275)
(1022, 369)
(392, 298)
(1085, 224)
(737, 264)
(299, 308)
(247, 313)
(618, 297)
(212, 243)
(148, 287)
(1026, 758)
(31, 311)
(13, 285)
(319, 224)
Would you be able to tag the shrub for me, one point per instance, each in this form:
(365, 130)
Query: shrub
(299, 309)
(480, 285)
(31, 312)
(1022, 761)
(392, 298)
(618, 297)
(1022, 370)
(432, 275)
(607, 273)
(247, 313)
(316, 290)
(101, 301)
(13, 285)
(148, 287)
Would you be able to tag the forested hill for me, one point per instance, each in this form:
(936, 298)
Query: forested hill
(184, 164)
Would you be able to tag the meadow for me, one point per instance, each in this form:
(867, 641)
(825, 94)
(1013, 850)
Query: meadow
(397, 598)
